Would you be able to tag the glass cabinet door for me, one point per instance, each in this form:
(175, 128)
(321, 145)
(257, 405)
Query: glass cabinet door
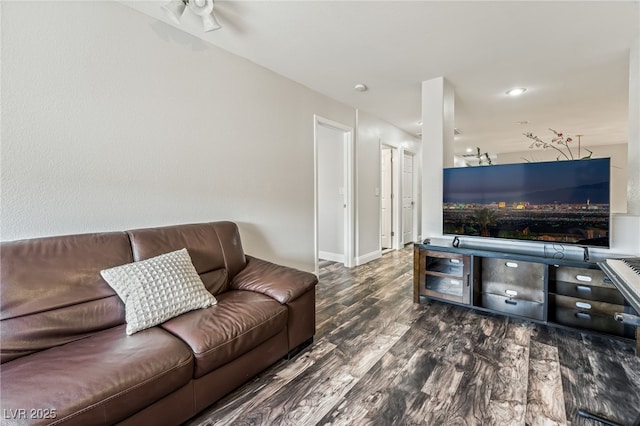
(445, 276)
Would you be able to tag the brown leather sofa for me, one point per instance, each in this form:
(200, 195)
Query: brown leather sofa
(67, 360)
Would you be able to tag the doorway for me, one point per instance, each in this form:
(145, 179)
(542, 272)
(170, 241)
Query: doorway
(386, 198)
(398, 213)
(408, 202)
(333, 192)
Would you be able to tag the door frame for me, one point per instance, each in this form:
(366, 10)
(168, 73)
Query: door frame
(397, 168)
(349, 236)
(396, 190)
(392, 213)
(414, 195)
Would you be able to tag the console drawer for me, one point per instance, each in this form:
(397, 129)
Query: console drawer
(513, 279)
(514, 291)
(589, 321)
(584, 305)
(583, 276)
(516, 272)
(582, 291)
(524, 308)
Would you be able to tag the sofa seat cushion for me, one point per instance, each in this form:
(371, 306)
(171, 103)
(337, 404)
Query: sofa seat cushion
(238, 323)
(101, 379)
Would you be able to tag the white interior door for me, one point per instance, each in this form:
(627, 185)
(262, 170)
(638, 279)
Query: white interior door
(408, 203)
(386, 198)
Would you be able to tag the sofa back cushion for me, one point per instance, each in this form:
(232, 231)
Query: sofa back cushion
(215, 249)
(52, 291)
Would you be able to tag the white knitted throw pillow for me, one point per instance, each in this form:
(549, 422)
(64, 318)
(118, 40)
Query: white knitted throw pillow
(157, 289)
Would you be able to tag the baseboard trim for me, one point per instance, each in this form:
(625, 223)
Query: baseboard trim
(361, 260)
(333, 257)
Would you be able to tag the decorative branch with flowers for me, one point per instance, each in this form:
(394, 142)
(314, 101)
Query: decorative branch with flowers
(560, 144)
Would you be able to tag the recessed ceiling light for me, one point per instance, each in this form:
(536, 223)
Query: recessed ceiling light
(419, 122)
(516, 91)
(469, 150)
(361, 87)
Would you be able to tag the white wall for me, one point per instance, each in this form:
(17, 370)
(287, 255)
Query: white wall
(633, 186)
(371, 133)
(629, 224)
(617, 153)
(109, 125)
(438, 112)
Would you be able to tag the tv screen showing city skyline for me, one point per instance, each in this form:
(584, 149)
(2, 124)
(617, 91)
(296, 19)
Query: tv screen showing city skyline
(558, 201)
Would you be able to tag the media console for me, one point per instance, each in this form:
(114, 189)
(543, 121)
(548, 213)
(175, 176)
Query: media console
(559, 292)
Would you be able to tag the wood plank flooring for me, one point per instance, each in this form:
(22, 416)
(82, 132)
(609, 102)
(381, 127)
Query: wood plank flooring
(380, 359)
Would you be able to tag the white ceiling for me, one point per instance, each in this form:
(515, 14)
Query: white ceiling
(571, 56)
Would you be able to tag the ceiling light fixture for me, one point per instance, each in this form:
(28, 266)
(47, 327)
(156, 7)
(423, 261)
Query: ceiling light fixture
(202, 8)
(361, 87)
(516, 91)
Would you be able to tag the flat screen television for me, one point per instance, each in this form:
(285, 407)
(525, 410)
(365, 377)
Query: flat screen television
(564, 202)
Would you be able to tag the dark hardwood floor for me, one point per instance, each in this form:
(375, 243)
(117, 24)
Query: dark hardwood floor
(380, 359)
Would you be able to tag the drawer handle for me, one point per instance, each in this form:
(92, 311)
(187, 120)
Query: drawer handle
(511, 264)
(582, 315)
(510, 302)
(455, 260)
(583, 288)
(584, 278)
(511, 293)
(583, 305)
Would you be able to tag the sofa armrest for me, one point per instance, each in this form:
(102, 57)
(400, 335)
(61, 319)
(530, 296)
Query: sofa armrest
(282, 283)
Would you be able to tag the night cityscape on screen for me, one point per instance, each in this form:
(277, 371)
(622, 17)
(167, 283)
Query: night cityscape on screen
(558, 201)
